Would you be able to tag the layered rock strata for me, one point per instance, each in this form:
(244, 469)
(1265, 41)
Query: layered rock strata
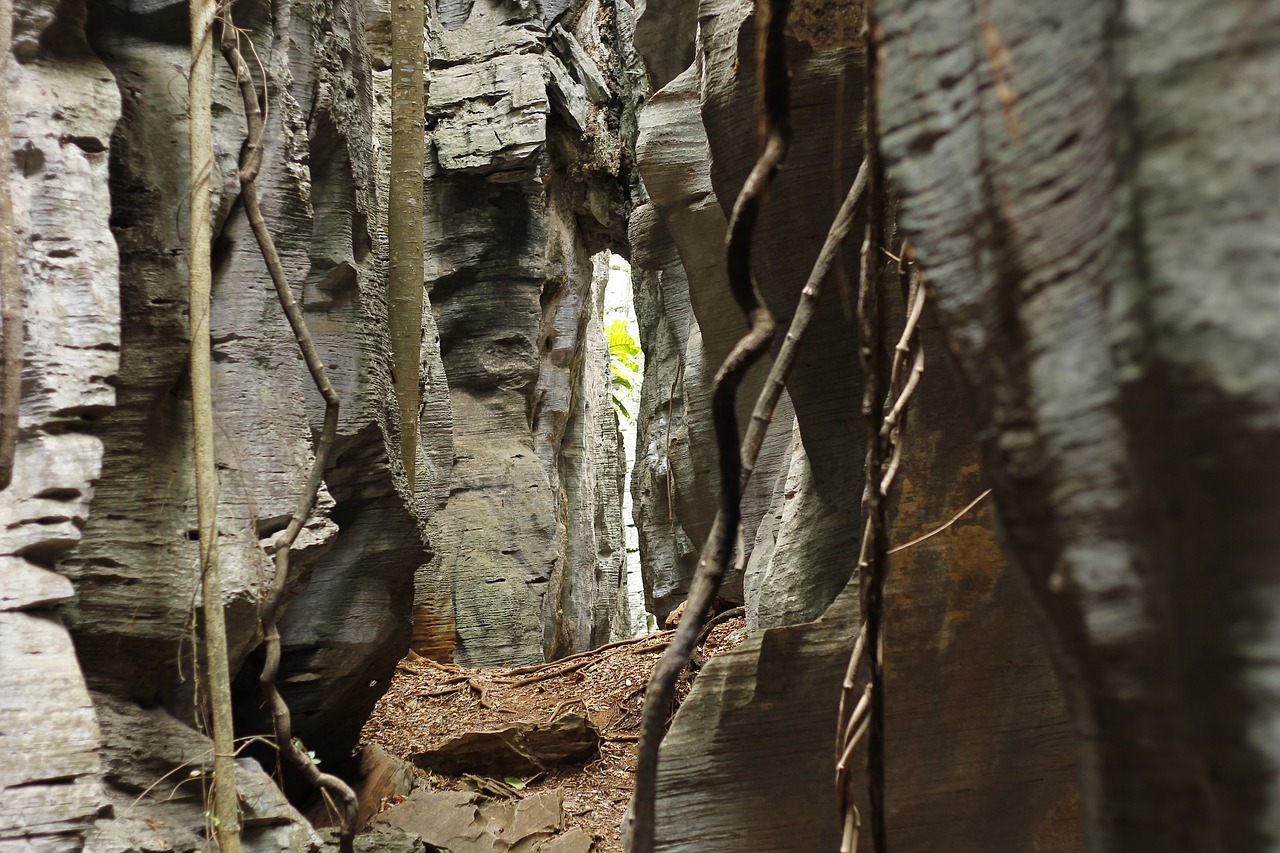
(99, 529)
(1096, 192)
(749, 761)
(524, 187)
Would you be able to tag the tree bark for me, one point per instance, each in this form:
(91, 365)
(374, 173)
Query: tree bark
(226, 817)
(404, 222)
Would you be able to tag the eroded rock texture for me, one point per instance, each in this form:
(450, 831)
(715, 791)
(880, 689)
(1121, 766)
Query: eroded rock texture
(134, 570)
(518, 497)
(750, 753)
(64, 105)
(1094, 193)
(688, 325)
(524, 186)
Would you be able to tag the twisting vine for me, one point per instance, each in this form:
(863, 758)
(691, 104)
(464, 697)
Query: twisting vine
(873, 560)
(272, 607)
(884, 456)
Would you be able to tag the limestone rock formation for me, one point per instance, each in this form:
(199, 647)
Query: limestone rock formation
(1102, 224)
(523, 188)
(64, 106)
(751, 751)
(688, 326)
(99, 523)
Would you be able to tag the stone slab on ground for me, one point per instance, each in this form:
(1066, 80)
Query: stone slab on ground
(517, 749)
(466, 822)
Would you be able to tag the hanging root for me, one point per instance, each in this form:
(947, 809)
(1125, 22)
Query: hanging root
(888, 396)
(250, 164)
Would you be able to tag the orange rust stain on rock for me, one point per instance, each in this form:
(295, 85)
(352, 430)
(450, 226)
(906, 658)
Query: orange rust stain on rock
(974, 564)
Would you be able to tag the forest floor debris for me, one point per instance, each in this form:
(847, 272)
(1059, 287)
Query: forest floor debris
(430, 705)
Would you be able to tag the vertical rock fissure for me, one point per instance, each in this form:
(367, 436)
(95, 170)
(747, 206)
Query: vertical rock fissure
(626, 362)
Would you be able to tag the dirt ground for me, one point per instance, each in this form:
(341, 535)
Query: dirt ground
(429, 703)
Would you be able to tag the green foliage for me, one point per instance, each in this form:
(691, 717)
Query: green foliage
(626, 363)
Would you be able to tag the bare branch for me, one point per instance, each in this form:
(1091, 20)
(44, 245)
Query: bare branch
(873, 564)
(762, 415)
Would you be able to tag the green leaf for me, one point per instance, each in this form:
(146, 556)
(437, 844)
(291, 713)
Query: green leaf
(516, 782)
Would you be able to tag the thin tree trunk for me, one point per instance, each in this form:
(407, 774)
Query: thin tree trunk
(10, 281)
(404, 223)
(226, 818)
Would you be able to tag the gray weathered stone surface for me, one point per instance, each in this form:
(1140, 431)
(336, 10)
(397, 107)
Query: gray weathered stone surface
(134, 571)
(689, 292)
(980, 749)
(63, 108)
(49, 738)
(102, 490)
(155, 770)
(1094, 193)
(529, 549)
(971, 691)
(465, 822)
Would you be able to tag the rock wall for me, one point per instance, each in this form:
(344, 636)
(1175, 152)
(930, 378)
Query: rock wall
(1095, 190)
(520, 465)
(971, 690)
(525, 185)
(50, 767)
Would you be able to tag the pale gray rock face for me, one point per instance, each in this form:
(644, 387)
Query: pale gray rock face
(690, 292)
(64, 105)
(135, 570)
(49, 738)
(516, 423)
(523, 188)
(520, 472)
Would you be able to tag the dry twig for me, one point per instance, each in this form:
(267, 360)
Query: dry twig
(717, 620)
(658, 637)
(935, 531)
(873, 562)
